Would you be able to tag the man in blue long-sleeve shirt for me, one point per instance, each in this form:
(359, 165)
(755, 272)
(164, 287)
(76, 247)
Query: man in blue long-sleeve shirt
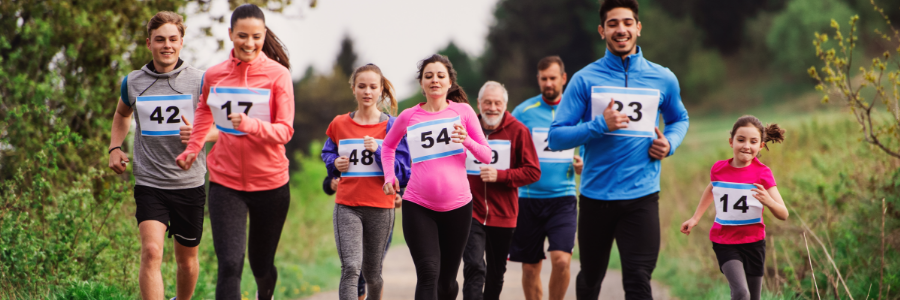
(617, 100)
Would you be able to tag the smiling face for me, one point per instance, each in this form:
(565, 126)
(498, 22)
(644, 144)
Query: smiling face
(491, 105)
(435, 80)
(165, 45)
(367, 88)
(552, 81)
(620, 31)
(248, 36)
(746, 143)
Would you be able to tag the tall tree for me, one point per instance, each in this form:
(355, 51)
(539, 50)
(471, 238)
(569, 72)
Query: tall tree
(346, 59)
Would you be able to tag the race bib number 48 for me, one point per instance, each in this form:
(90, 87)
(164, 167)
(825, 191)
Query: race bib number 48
(500, 158)
(224, 101)
(735, 204)
(362, 161)
(161, 115)
(542, 145)
(640, 105)
(430, 140)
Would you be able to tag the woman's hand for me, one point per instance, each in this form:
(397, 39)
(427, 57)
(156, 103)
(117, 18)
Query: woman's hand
(236, 120)
(390, 189)
(459, 133)
(398, 201)
(688, 225)
(342, 164)
(370, 143)
(762, 195)
(185, 164)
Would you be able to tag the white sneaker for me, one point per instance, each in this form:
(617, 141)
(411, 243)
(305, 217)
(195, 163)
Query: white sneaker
(257, 296)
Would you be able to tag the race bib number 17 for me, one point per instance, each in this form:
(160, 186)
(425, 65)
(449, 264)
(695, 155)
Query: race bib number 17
(640, 105)
(224, 101)
(161, 115)
(735, 204)
(431, 140)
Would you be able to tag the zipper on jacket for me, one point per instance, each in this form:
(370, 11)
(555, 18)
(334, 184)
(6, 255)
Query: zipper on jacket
(626, 60)
(487, 208)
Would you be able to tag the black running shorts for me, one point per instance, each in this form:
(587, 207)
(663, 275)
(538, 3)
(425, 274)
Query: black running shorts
(180, 210)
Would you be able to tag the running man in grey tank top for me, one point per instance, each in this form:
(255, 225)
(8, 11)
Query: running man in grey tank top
(163, 96)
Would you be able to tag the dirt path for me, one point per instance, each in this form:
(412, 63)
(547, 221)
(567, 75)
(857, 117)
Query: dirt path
(400, 280)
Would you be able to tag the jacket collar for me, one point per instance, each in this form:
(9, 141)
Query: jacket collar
(150, 69)
(616, 63)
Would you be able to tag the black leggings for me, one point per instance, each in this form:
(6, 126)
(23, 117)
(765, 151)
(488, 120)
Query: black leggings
(634, 225)
(436, 241)
(228, 211)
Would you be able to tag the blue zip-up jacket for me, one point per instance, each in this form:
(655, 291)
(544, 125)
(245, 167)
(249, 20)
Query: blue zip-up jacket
(401, 164)
(618, 167)
(557, 178)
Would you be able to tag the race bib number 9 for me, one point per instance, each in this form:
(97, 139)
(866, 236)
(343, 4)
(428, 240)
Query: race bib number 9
(540, 137)
(430, 140)
(161, 115)
(224, 101)
(640, 105)
(735, 204)
(500, 158)
(362, 161)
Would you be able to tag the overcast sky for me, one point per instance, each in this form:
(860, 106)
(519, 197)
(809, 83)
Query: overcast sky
(393, 34)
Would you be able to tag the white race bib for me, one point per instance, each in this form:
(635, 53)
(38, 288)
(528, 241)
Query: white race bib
(542, 145)
(431, 139)
(735, 204)
(362, 161)
(500, 157)
(161, 115)
(224, 101)
(640, 105)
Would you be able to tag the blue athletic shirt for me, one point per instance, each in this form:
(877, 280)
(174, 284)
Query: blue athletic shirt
(557, 178)
(619, 167)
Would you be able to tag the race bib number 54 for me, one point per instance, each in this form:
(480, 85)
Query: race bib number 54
(224, 101)
(431, 140)
(735, 204)
(161, 115)
(640, 105)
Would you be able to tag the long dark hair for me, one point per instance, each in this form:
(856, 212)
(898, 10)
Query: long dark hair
(273, 47)
(769, 133)
(456, 93)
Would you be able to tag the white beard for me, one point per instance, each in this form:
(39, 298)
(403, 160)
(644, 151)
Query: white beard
(492, 121)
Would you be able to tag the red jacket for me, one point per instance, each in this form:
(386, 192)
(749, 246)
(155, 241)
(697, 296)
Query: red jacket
(502, 205)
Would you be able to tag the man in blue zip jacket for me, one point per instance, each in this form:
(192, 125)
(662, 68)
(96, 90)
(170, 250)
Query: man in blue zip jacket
(617, 99)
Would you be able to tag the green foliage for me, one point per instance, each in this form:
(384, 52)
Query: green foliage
(788, 40)
(863, 95)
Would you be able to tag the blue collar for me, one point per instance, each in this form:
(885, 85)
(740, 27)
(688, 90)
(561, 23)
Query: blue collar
(616, 63)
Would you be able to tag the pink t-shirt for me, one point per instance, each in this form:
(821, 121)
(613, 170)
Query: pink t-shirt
(722, 173)
(438, 181)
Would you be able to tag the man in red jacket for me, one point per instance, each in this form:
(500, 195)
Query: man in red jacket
(494, 185)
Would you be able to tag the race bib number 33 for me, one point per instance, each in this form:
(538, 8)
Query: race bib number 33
(431, 140)
(640, 105)
(161, 115)
(500, 158)
(735, 204)
(362, 161)
(224, 101)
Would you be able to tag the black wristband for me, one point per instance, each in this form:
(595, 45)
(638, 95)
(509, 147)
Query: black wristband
(114, 148)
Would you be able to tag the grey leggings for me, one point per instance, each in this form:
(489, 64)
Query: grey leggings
(361, 233)
(743, 287)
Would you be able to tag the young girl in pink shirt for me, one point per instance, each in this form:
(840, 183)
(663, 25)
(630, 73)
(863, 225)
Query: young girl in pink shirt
(437, 205)
(741, 187)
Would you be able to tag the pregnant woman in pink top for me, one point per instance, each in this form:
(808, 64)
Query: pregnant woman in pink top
(437, 208)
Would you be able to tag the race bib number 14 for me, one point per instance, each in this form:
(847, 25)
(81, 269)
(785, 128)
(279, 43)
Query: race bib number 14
(224, 101)
(161, 115)
(735, 204)
(640, 105)
(431, 140)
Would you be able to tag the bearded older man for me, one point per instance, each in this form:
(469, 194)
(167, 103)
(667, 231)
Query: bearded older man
(494, 185)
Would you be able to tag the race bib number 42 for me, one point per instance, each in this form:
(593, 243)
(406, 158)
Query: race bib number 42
(735, 204)
(640, 105)
(545, 155)
(431, 140)
(224, 101)
(500, 158)
(362, 161)
(161, 115)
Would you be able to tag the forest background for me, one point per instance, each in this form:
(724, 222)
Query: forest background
(66, 221)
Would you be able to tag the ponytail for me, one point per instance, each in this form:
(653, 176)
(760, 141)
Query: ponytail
(773, 134)
(456, 92)
(273, 47)
(388, 102)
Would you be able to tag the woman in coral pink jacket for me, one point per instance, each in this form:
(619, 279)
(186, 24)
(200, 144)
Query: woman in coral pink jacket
(250, 99)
